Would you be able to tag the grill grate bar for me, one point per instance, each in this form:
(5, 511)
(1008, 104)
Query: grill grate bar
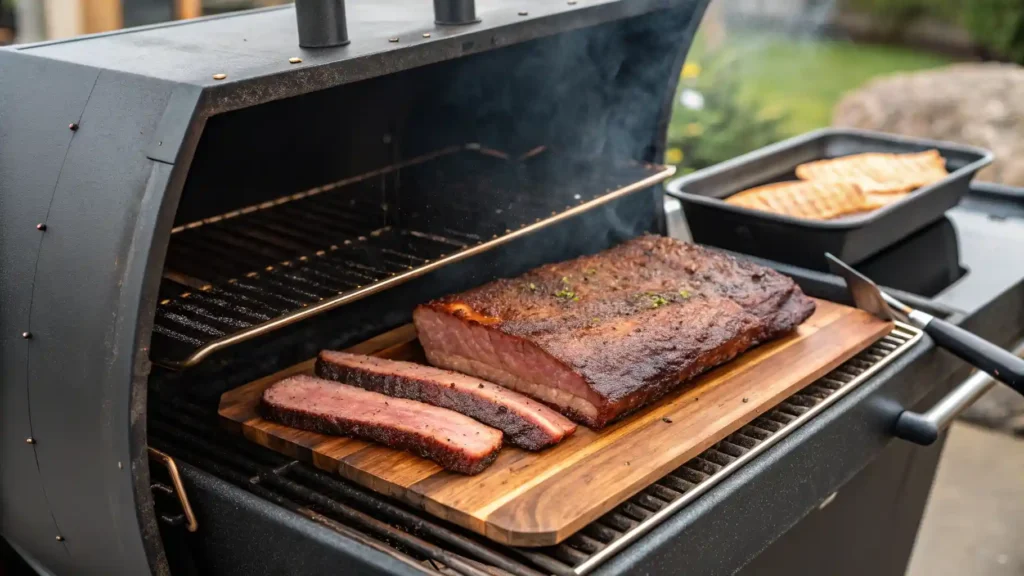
(569, 555)
(663, 492)
(619, 522)
(601, 533)
(580, 541)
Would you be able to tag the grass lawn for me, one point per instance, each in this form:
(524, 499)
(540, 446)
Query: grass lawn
(804, 79)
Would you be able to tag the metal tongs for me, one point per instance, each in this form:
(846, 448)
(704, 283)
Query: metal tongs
(1000, 365)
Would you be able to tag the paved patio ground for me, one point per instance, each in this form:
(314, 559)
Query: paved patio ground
(974, 522)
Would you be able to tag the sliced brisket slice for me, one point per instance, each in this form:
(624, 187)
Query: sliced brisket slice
(456, 442)
(526, 423)
(600, 336)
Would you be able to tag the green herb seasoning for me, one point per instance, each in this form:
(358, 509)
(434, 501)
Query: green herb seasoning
(532, 287)
(684, 293)
(657, 300)
(567, 294)
(590, 271)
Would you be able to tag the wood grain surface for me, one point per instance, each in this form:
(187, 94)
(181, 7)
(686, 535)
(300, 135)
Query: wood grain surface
(539, 499)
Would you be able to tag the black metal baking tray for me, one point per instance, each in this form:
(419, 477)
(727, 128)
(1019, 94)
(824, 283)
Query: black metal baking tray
(802, 242)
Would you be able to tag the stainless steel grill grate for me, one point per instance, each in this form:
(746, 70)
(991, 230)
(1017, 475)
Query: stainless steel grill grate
(239, 275)
(182, 432)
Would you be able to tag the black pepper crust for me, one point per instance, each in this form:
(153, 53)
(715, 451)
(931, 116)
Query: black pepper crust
(638, 319)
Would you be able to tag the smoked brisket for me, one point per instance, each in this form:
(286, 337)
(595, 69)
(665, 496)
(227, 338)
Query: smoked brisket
(456, 442)
(600, 336)
(526, 423)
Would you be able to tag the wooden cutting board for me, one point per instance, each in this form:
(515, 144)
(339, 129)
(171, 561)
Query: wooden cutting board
(539, 499)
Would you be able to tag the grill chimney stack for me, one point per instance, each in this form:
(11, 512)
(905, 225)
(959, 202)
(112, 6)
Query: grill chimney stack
(321, 23)
(455, 12)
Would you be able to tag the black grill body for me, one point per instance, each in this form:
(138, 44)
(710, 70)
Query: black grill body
(108, 142)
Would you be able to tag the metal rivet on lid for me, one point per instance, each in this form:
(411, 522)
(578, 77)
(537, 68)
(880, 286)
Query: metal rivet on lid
(30, 440)
(294, 60)
(120, 466)
(572, 2)
(393, 39)
(41, 227)
(524, 13)
(426, 34)
(73, 126)
(60, 538)
(26, 335)
(219, 76)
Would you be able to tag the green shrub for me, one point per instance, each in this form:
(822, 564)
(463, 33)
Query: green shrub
(726, 126)
(996, 25)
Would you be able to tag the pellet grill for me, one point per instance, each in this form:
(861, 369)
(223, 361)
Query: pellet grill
(186, 207)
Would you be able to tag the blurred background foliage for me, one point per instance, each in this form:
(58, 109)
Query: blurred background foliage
(743, 88)
(997, 26)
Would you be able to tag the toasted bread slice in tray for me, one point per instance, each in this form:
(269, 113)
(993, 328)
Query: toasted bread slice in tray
(879, 173)
(802, 199)
(878, 200)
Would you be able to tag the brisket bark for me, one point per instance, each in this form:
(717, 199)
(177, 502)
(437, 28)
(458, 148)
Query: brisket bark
(456, 442)
(526, 423)
(600, 336)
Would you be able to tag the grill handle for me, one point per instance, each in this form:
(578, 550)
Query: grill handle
(924, 428)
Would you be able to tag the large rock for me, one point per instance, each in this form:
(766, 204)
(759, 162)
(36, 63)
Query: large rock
(979, 104)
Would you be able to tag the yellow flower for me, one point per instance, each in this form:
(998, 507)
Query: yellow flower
(694, 129)
(673, 156)
(772, 112)
(691, 70)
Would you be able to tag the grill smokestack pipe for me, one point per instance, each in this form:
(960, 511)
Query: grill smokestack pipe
(454, 12)
(321, 23)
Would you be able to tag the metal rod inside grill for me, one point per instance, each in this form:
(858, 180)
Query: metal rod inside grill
(296, 257)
